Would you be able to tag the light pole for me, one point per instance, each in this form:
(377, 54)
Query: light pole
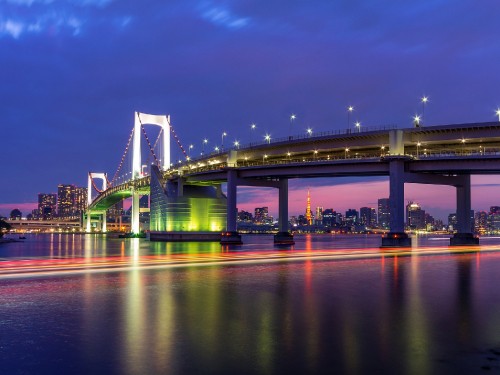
(237, 144)
(205, 141)
(190, 148)
(264, 158)
(424, 100)
(222, 144)
(382, 150)
(358, 126)
(346, 151)
(463, 143)
(416, 121)
(289, 154)
(349, 111)
(498, 113)
(309, 132)
(252, 130)
(216, 149)
(268, 138)
(292, 119)
(315, 154)
(418, 145)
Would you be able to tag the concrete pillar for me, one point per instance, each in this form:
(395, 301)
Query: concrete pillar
(283, 237)
(104, 223)
(232, 157)
(134, 221)
(397, 236)
(88, 223)
(180, 187)
(231, 235)
(397, 196)
(464, 206)
(231, 201)
(464, 235)
(283, 206)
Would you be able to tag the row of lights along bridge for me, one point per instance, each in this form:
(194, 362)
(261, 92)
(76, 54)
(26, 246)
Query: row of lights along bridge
(418, 120)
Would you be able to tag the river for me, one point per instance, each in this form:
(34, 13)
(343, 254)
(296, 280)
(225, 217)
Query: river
(82, 304)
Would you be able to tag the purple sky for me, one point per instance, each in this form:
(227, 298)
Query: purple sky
(73, 72)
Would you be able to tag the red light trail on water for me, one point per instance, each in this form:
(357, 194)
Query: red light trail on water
(18, 268)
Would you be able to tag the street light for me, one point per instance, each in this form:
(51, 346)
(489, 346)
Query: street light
(288, 154)
(216, 149)
(382, 150)
(463, 143)
(268, 138)
(264, 158)
(315, 154)
(346, 151)
(309, 131)
(416, 121)
(498, 113)
(252, 130)
(190, 148)
(424, 100)
(222, 144)
(418, 145)
(205, 141)
(349, 111)
(358, 126)
(292, 119)
(237, 144)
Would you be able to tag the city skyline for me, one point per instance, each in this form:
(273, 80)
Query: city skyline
(73, 75)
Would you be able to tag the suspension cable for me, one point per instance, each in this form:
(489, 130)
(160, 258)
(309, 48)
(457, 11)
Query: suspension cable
(178, 141)
(123, 158)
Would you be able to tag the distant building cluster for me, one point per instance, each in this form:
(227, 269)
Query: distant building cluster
(68, 203)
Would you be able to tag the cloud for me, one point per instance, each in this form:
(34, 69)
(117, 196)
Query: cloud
(24, 17)
(223, 17)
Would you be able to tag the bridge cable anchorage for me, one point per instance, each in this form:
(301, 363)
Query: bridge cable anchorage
(155, 144)
(123, 158)
(149, 144)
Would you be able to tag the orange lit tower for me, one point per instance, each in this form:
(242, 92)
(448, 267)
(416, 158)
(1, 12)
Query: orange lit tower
(308, 209)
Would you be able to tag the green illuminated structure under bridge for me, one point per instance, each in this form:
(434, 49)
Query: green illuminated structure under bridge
(181, 212)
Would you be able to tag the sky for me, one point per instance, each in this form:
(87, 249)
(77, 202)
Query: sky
(74, 71)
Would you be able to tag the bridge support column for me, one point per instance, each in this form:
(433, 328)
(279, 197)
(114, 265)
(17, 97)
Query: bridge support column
(88, 225)
(283, 237)
(397, 236)
(134, 223)
(464, 235)
(231, 236)
(104, 228)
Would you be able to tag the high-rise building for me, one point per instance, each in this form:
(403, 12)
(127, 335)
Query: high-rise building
(494, 218)
(308, 209)
(79, 201)
(384, 214)
(368, 216)
(318, 219)
(65, 199)
(481, 222)
(47, 204)
(351, 216)
(261, 215)
(329, 217)
(245, 216)
(415, 216)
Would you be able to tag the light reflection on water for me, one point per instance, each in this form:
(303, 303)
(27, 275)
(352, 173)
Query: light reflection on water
(390, 314)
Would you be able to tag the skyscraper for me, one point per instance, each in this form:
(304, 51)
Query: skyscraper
(415, 216)
(47, 206)
(384, 214)
(368, 216)
(261, 215)
(65, 199)
(79, 201)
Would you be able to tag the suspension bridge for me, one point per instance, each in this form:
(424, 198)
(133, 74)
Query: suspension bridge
(187, 201)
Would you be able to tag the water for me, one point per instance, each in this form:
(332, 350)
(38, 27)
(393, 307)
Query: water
(332, 304)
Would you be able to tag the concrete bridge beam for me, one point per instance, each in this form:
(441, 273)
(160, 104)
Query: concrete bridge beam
(464, 235)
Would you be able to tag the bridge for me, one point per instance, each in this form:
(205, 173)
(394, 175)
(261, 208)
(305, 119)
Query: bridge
(442, 155)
